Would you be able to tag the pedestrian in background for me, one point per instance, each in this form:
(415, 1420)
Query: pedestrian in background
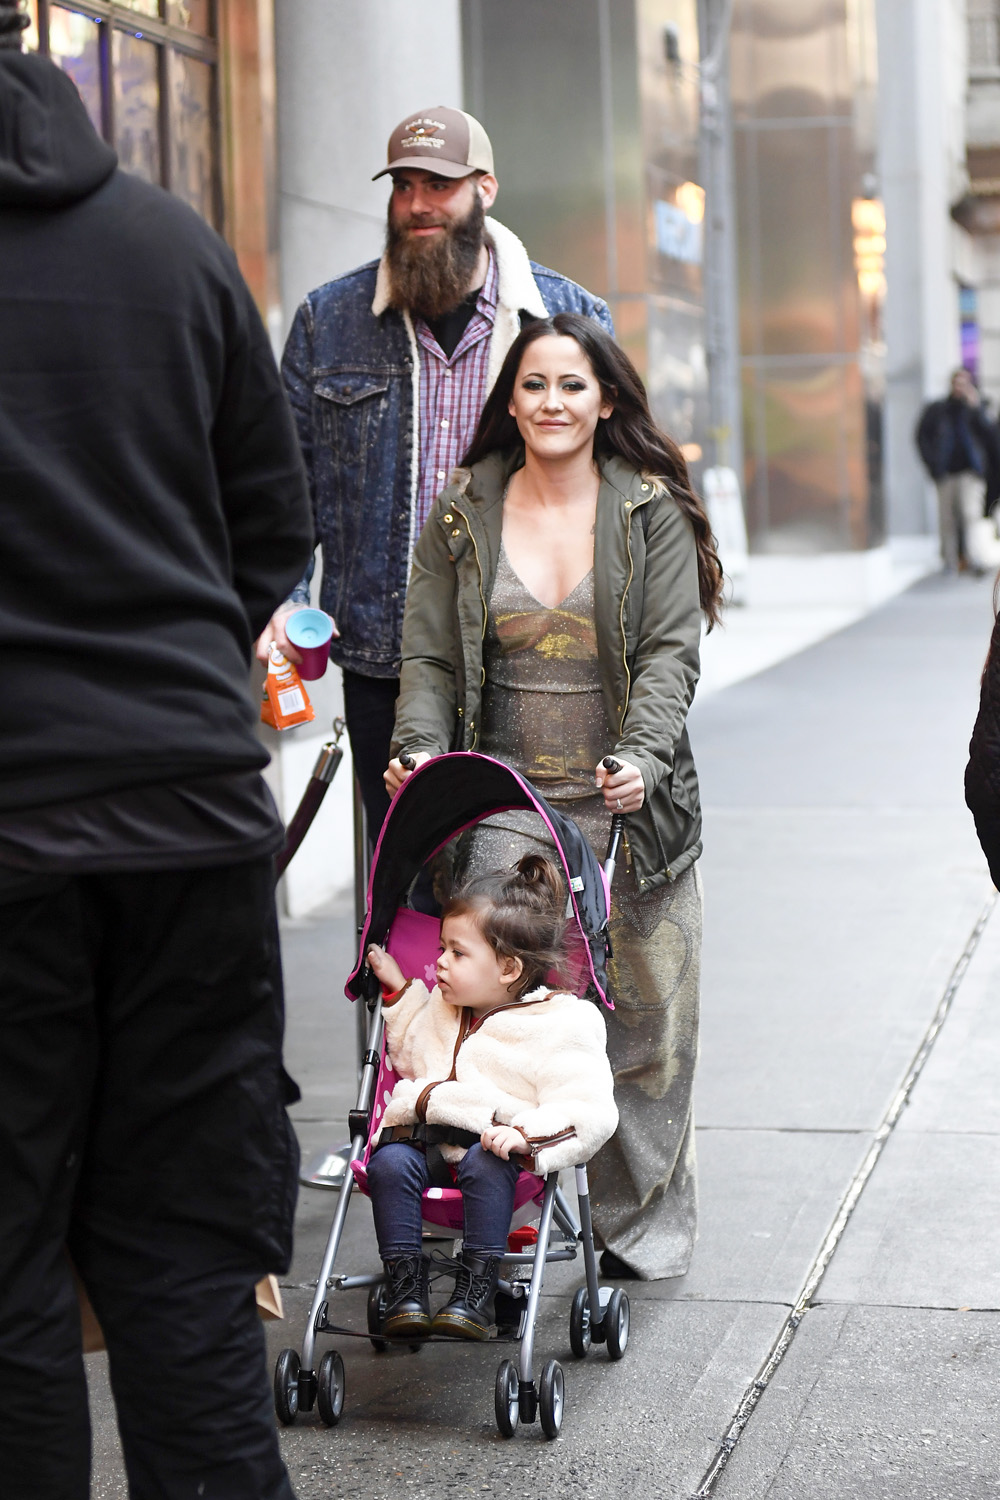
(388, 369)
(960, 450)
(153, 511)
(982, 774)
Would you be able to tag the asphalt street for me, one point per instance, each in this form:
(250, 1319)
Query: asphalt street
(843, 886)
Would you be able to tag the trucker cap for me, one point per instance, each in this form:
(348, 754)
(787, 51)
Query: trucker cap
(442, 140)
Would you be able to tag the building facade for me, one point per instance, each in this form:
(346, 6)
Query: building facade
(184, 91)
(792, 323)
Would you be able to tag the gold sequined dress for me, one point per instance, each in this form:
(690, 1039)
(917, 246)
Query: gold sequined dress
(543, 713)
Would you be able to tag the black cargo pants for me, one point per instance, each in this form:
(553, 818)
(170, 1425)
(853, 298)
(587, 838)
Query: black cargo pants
(143, 1127)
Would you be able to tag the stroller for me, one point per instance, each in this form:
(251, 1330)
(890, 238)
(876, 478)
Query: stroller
(447, 795)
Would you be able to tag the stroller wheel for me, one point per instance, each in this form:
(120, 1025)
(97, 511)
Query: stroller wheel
(551, 1398)
(579, 1324)
(616, 1321)
(376, 1313)
(286, 1386)
(505, 1398)
(330, 1388)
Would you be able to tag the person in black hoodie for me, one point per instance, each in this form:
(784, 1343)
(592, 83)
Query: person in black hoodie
(982, 774)
(153, 513)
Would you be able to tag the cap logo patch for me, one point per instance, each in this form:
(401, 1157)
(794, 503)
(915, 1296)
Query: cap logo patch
(422, 133)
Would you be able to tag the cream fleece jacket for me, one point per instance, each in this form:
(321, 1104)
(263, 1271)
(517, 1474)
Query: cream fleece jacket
(539, 1065)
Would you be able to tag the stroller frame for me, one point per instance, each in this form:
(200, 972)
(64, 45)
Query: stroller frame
(299, 1385)
(598, 1315)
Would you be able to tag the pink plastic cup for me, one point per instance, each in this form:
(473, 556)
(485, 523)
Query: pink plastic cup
(310, 631)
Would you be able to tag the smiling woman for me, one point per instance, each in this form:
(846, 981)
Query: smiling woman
(553, 620)
(557, 402)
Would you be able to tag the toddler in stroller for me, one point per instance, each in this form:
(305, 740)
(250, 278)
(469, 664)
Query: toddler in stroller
(528, 1072)
(497, 1070)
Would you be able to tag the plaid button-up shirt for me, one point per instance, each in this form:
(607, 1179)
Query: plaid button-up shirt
(452, 394)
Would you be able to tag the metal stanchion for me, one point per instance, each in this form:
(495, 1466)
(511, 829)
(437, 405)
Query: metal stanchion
(324, 771)
(327, 1168)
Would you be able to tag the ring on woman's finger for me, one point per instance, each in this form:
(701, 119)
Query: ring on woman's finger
(618, 804)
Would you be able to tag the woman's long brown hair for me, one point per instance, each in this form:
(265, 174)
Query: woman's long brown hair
(629, 432)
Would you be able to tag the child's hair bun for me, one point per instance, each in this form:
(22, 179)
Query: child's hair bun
(540, 877)
(532, 868)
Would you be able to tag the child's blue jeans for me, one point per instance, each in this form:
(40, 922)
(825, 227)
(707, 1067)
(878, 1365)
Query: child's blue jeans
(398, 1178)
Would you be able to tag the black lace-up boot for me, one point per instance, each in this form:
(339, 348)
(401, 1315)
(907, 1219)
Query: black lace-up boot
(408, 1310)
(469, 1313)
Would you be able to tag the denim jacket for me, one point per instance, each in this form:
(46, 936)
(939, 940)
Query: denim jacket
(350, 367)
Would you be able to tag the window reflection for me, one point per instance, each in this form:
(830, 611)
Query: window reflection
(145, 7)
(799, 296)
(30, 36)
(790, 59)
(164, 95)
(74, 46)
(807, 459)
(193, 15)
(191, 173)
(810, 246)
(137, 105)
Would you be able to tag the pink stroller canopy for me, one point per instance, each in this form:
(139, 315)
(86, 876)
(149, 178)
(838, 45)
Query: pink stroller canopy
(447, 795)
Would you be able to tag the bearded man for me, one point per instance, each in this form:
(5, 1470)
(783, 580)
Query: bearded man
(387, 369)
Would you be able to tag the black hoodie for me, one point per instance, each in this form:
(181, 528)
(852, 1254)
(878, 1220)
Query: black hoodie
(153, 505)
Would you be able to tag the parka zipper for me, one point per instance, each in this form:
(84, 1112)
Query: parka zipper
(621, 626)
(621, 622)
(482, 601)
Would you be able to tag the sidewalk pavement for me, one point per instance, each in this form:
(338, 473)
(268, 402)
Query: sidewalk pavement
(843, 884)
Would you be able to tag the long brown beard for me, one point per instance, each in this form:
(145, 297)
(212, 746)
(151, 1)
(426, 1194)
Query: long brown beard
(431, 276)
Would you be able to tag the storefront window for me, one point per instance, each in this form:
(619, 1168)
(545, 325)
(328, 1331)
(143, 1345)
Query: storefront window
(74, 43)
(147, 73)
(193, 15)
(136, 76)
(191, 135)
(30, 37)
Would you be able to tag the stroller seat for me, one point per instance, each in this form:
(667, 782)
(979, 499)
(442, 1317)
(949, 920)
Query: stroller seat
(413, 943)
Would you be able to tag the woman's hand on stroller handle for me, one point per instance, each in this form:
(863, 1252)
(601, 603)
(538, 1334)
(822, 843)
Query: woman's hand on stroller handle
(402, 766)
(503, 1140)
(622, 785)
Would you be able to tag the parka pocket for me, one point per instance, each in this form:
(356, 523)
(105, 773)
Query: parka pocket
(684, 790)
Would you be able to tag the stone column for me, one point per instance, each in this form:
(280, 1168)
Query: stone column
(921, 88)
(347, 72)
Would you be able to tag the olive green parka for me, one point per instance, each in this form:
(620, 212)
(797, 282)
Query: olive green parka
(648, 623)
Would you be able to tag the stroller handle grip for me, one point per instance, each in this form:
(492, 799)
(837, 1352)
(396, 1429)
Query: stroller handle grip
(617, 825)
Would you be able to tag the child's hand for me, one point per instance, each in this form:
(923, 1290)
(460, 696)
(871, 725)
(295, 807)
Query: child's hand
(390, 975)
(502, 1140)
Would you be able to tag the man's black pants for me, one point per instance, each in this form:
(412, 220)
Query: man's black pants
(143, 1130)
(370, 711)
